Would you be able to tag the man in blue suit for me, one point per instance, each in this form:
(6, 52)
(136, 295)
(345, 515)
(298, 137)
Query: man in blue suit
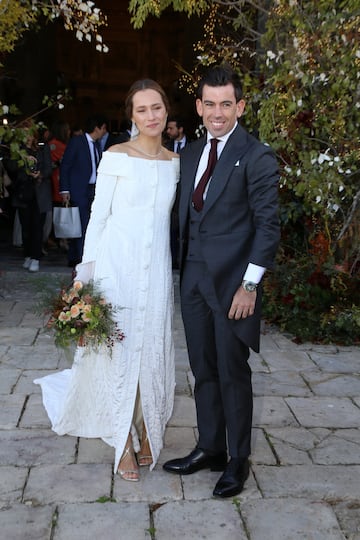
(229, 233)
(78, 177)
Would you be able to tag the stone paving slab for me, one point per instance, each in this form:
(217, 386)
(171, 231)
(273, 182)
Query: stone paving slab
(331, 412)
(208, 520)
(184, 413)
(280, 383)
(156, 486)
(346, 362)
(25, 383)
(49, 484)
(338, 449)
(292, 446)
(35, 447)
(35, 415)
(8, 380)
(333, 384)
(290, 519)
(348, 515)
(257, 363)
(272, 411)
(45, 356)
(17, 334)
(21, 522)
(12, 484)
(110, 521)
(314, 482)
(94, 451)
(11, 407)
(261, 449)
(279, 360)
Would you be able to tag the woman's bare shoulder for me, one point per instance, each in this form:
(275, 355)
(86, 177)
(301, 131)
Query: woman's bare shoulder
(169, 154)
(122, 148)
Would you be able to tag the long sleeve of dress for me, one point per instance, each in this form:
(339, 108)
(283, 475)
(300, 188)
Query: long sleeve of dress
(100, 212)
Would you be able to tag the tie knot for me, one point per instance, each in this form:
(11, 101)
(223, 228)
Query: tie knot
(213, 143)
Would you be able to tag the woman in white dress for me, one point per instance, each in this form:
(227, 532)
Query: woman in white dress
(126, 397)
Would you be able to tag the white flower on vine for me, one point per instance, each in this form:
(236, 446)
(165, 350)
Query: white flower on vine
(341, 188)
(79, 35)
(322, 158)
(318, 199)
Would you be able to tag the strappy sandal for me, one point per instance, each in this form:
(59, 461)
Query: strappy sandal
(132, 474)
(144, 456)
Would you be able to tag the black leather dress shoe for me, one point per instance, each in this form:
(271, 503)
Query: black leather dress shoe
(195, 461)
(232, 480)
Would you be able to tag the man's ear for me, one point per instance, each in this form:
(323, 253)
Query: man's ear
(240, 107)
(199, 107)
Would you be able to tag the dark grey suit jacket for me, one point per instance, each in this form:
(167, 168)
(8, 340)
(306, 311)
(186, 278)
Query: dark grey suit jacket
(239, 222)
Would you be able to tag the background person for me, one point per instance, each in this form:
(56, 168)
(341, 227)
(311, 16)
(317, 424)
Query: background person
(78, 177)
(31, 195)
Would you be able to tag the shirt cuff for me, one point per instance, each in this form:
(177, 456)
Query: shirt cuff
(254, 273)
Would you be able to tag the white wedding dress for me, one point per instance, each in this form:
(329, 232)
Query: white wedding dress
(127, 250)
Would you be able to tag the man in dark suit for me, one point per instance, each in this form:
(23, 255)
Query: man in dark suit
(229, 233)
(177, 140)
(78, 176)
(175, 131)
(109, 139)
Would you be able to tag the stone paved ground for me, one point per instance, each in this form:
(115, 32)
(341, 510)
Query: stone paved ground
(305, 466)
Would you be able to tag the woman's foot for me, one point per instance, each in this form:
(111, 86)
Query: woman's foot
(128, 468)
(144, 456)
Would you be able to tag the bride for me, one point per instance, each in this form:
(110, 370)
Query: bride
(126, 397)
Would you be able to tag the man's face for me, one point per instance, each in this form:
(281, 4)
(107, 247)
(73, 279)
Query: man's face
(172, 130)
(99, 132)
(219, 109)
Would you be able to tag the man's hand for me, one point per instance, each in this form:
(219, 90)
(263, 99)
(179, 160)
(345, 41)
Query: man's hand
(243, 304)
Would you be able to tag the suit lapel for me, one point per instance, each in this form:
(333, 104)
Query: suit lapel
(234, 150)
(189, 163)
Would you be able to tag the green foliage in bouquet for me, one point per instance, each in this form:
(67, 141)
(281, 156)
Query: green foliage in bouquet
(80, 315)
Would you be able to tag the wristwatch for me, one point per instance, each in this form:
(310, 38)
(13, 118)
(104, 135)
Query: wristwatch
(249, 286)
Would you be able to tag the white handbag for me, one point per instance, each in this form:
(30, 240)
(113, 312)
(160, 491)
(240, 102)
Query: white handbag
(67, 222)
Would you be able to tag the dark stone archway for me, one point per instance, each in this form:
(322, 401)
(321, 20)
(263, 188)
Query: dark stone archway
(53, 59)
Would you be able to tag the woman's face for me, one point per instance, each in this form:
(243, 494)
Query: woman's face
(149, 112)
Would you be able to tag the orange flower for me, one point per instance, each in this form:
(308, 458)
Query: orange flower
(75, 311)
(64, 316)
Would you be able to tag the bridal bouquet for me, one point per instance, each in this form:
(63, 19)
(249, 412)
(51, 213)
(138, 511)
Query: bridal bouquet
(79, 314)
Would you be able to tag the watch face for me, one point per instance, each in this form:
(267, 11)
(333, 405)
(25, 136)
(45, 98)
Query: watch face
(249, 287)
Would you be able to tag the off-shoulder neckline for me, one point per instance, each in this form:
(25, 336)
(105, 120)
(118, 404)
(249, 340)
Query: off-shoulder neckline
(142, 158)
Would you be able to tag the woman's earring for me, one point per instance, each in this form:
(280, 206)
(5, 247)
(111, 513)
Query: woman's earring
(134, 131)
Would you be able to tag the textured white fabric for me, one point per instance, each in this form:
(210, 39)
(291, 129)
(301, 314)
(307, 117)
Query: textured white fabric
(127, 248)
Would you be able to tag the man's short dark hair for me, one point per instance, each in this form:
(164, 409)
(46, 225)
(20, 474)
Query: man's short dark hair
(178, 121)
(220, 76)
(96, 120)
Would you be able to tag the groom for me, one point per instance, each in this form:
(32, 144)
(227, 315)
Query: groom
(229, 233)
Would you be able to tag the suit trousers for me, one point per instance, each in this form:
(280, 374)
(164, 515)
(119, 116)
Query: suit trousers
(219, 362)
(76, 245)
